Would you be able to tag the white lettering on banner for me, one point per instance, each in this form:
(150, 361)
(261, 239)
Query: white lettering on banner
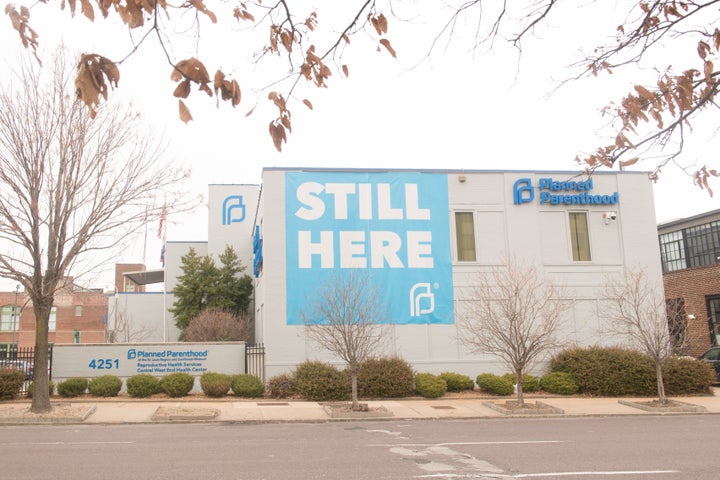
(384, 249)
(314, 207)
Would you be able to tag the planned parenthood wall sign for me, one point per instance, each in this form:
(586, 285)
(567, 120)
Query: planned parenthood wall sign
(394, 224)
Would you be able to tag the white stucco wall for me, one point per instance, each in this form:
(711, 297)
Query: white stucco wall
(533, 232)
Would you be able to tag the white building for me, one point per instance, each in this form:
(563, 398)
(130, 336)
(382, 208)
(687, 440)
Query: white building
(425, 235)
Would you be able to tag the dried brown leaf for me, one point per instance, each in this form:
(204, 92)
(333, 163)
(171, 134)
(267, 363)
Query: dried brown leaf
(345, 70)
(182, 90)
(386, 43)
(308, 104)
(278, 135)
(185, 114)
(87, 10)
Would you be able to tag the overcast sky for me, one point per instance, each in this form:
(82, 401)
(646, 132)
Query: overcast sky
(456, 109)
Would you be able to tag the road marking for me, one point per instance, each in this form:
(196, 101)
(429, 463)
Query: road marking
(14, 444)
(570, 474)
(522, 442)
(547, 474)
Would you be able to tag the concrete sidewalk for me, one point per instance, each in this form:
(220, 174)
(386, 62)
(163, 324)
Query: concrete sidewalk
(231, 410)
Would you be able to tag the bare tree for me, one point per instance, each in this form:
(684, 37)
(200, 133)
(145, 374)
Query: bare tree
(513, 313)
(72, 190)
(637, 309)
(217, 325)
(346, 317)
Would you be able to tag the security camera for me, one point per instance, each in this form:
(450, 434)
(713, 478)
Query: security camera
(612, 215)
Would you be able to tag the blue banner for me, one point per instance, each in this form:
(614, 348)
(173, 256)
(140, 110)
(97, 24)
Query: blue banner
(394, 224)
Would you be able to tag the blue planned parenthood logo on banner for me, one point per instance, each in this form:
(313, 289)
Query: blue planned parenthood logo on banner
(394, 224)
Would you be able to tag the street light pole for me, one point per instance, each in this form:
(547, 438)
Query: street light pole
(15, 312)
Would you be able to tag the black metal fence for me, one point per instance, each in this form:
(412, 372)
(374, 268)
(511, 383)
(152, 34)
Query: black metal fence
(255, 360)
(22, 359)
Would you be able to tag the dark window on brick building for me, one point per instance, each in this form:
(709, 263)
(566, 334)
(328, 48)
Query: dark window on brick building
(677, 324)
(713, 308)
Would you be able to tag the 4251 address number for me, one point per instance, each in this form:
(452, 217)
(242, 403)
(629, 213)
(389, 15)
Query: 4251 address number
(104, 363)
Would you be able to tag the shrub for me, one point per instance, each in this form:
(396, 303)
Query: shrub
(31, 388)
(429, 385)
(280, 386)
(11, 381)
(215, 384)
(685, 375)
(319, 381)
(247, 385)
(457, 382)
(560, 383)
(607, 371)
(105, 386)
(142, 385)
(72, 387)
(530, 383)
(390, 377)
(491, 383)
(177, 384)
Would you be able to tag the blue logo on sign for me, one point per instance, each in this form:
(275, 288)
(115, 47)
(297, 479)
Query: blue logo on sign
(394, 224)
(523, 191)
(233, 210)
(132, 354)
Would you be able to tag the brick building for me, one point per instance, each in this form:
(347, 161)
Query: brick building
(78, 316)
(690, 254)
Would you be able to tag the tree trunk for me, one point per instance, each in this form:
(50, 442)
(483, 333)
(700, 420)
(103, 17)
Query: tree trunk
(41, 394)
(353, 381)
(518, 382)
(660, 384)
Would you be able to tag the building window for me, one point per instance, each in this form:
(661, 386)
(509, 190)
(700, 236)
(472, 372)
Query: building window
(52, 322)
(465, 236)
(579, 237)
(78, 310)
(9, 318)
(703, 244)
(713, 310)
(76, 336)
(677, 324)
(672, 251)
(690, 247)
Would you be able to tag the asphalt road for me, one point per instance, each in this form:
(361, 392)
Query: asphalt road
(625, 448)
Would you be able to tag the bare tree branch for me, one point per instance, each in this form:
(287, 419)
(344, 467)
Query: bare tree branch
(638, 311)
(70, 187)
(346, 318)
(512, 313)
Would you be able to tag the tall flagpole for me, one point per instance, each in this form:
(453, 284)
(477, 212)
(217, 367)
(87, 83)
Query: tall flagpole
(162, 234)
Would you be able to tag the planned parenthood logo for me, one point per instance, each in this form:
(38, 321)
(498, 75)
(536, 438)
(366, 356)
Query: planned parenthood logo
(421, 296)
(523, 191)
(233, 210)
(132, 354)
(393, 224)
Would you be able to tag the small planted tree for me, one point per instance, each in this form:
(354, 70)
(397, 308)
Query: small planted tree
(346, 318)
(637, 309)
(203, 285)
(513, 313)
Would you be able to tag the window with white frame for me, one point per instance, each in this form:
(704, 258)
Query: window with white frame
(465, 236)
(579, 237)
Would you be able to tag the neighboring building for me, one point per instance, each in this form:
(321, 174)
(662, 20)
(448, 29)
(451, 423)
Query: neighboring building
(690, 255)
(78, 316)
(424, 235)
